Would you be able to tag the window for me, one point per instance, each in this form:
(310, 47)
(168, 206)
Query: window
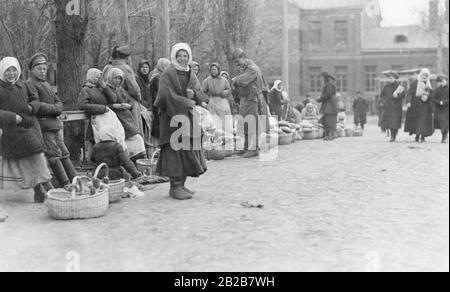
(341, 79)
(315, 79)
(370, 77)
(397, 67)
(315, 29)
(341, 33)
(401, 39)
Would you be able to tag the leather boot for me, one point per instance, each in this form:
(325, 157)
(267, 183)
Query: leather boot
(417, 138)
(177, 191)
(39, 194)
(59, 172)
(393, 135)
(69, 168)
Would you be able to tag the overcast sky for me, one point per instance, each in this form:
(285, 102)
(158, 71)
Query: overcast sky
(402, 12)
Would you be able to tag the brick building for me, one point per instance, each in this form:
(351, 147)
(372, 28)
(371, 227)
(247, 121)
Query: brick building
(345, 38)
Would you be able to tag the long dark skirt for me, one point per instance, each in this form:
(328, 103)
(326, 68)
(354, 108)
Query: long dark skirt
(183, 163)
(329, 122)
(419, 120)
(441, 120)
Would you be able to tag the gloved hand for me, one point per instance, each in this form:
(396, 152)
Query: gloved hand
(27, 122)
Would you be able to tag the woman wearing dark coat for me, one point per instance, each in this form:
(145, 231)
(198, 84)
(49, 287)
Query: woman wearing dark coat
(143, 79)
(276, 100)
(179, 92)
(419, 118)
(22, 161)
(360, 110)
(392, 98)
(329, 108)
(441, 107)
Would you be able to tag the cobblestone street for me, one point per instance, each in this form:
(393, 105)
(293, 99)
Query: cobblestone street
(358, 204)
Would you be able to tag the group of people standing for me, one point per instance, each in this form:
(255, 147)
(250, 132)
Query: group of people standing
(427, 108)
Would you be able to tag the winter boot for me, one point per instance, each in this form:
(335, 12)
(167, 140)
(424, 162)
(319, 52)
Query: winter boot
(69, 168)
(177, 191)
(39, 194)
(417, 138)
(393, 135)
(59, 172)
(422, 139)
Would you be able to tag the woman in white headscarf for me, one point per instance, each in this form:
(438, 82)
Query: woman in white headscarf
(22, 160)
(179, 92)
(419, 118)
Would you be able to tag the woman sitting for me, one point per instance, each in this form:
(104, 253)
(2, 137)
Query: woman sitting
(109, 151)
(311, 114)
(120, 103)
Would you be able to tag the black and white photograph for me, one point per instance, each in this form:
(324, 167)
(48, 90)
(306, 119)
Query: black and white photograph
(235, 137)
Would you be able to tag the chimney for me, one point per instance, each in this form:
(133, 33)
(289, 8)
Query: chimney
(434, 15)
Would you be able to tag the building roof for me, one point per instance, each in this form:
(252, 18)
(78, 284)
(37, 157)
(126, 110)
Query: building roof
(399, 37)
(328, 4)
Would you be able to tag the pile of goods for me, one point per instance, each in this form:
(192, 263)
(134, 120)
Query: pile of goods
(309, 130)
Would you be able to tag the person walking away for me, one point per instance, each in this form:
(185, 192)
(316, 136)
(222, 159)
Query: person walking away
(22, 160)
(249, 85)
(441, 105)
(179, 92)
(218, 91)
(329, 108)
(47, 110)
(392, 97)
(419, 117)
(360, 110)
(276, 100)
(155, 76)
(120, 103)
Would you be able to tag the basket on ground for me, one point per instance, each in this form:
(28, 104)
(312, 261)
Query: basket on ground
(215, 154)
(309, 135)
(349, 132)
(78, 203)
(148, 166)
(285, 139)
(116, 187)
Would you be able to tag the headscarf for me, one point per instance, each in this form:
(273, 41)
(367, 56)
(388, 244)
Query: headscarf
(161, 66)
(226, 74)
(218, 70)
(144, 77)
(91, 75)
(113, 73)
(7, 63)
(424, 84)
(173, 56)
(275, 85)
(107, 134)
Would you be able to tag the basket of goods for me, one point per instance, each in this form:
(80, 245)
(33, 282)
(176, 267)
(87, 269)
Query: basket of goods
(358, 132)
(341, 132)
(148, 166)
(349, 132)
(83, 199)
(285, 139)
(116, 187)
(217, 153)
(308, 130)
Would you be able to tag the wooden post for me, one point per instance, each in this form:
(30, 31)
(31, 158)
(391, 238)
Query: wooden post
(286, 44)
(163, 6)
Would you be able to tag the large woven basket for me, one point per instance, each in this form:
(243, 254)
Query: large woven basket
(116, 188)
(215, 154)
(349, 132)
(65, 205)
(341, 132)
(319, 133)
(285, 139)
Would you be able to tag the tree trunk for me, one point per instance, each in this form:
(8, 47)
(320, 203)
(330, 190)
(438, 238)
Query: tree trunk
(70, 35)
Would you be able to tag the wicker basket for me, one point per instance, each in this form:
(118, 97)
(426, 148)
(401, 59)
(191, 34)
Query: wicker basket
(341, 132)
(309, 135)
(349, 132)
(215, 154)
(319, 133)
(148, 166)
(65, 205)
(358, 133)
(116, 188)
(285, 139)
